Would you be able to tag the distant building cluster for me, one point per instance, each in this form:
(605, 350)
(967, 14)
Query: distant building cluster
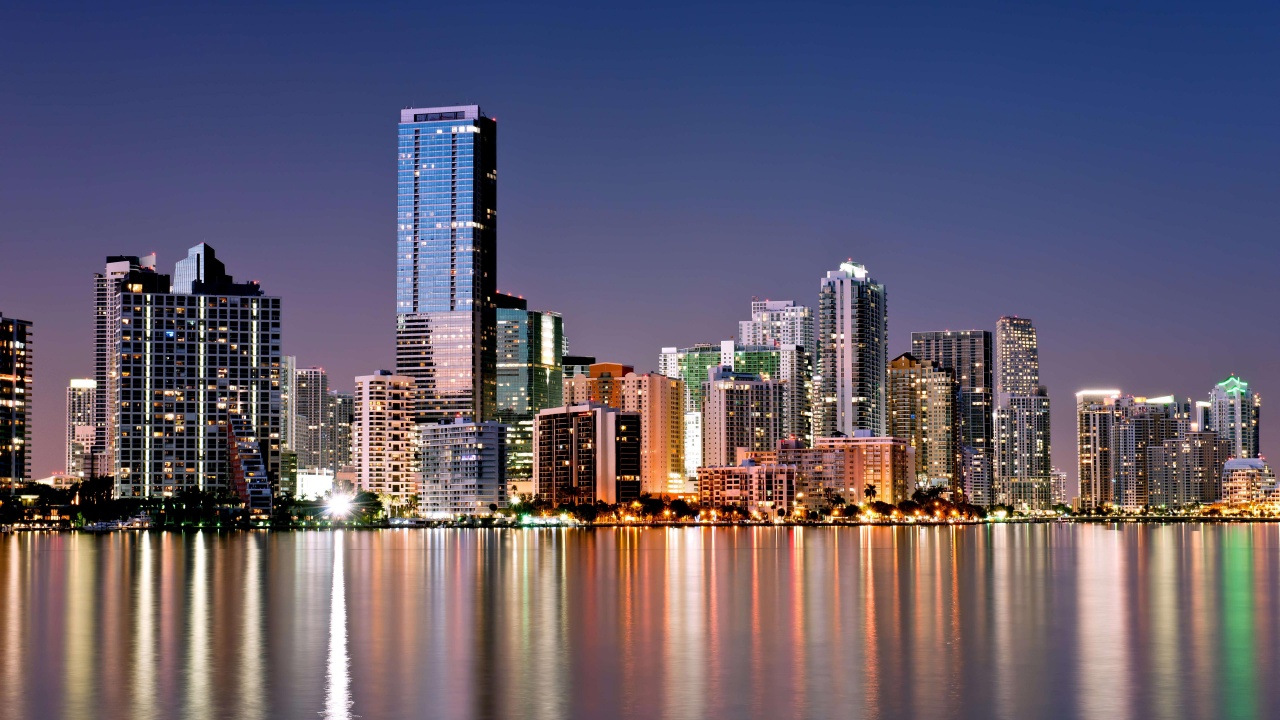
(485, 404)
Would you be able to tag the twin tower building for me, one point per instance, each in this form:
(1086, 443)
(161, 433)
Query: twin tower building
(191, 389)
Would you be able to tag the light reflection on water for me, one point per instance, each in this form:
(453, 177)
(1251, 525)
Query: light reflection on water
(1009, 622)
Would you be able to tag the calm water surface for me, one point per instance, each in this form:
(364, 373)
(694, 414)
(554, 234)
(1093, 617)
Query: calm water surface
(1009, 622)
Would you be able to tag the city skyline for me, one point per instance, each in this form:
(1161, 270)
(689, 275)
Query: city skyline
(1039, 204)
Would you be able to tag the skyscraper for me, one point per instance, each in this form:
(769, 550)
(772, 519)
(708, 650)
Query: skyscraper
(777, 322)
(183, 365)
(586, 453)
(446, 270)
(691, 366)
(106, 337)
(1023, 471)
(340, 412)
(852, 356)
(739, 410)
(17, 363)
(922, 401)
(81, 431)
(1095, 416)
(968, 355)
(530, 376)
(308, 409)
(1234, 415)
(659, 402)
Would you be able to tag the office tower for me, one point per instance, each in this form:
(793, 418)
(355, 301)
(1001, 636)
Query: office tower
(1095, 416)
(768, 488)
(922, 400)
(739, 410)
(659, 402)
(1017, 357)
(1140, 423)
(81, 431)
(968, 355)
(586, 453)
(384, 446)
(106, 338)
(17, 365)
(1246, 481)
(1234, 414)
(851, 358)
(775, 323)
(185, 364)
(1187, 470)
(602, 384)
(1059, 493)
(340, 414)
(530, 376)
(577, 364)
(462, 468)
(1023, 468)
(446, 271)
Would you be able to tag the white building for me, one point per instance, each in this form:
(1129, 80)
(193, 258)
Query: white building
(775, 323)
(852, 356)
(739, 411)
(1023, 469)
(81, 425)
(463, 468)
(384, 435)
(1233, 414)
(1246, 481)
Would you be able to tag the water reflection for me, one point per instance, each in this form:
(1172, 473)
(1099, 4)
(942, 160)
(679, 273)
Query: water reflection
(1007, 622)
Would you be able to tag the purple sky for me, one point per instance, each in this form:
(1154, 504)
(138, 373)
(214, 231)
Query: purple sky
(1110, 174)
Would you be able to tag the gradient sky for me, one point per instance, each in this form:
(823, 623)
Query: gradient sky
(1110, 172)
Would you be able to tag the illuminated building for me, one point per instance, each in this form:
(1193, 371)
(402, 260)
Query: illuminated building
(1023, 467)
(887, 464)
(1233, 413)
(1186, 471)
(775, 323)
(659, 401)
(81, 428)
(189, 357)
(106, 338)
(755, 487)
(1246, 481)
(586, 453)
(851, 355)
(339, 415)
(1094, 419)
(922, 399)
(1059, 493)
(692, 366)
(739, 410)
(462, 468)
(16, 370)
(306, 412)
(383, 435)
(446, 243)
(602, 384)
(968, 355)
(530, 376)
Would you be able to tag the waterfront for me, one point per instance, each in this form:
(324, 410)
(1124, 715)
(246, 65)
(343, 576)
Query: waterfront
(1015, 621)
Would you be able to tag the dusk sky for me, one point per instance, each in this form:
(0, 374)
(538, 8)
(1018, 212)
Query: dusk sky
(1112, 172)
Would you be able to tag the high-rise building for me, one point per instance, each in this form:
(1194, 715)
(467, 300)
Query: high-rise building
(308, 419)
(1059, 492)
(775, 323)
(586, 453)
(788, 364)
(1023, 469)
(968, 355)
(852, 356)
(383, 436)
(1233, 414)
(340, 414)
(462, 468)
(446, 270)
(602, 384)
(922, 404)
(1139, 424)
(105, 341)
(692, 366)
(530, 376)
(81, 430)
(17, 365)
(183, 365)
(739, 410)
(659, 401)
(1095, 416)
(1186, 471)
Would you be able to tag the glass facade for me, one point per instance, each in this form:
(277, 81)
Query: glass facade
(446, 230)
(530, 376)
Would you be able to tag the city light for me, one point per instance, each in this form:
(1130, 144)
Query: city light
(340, 506)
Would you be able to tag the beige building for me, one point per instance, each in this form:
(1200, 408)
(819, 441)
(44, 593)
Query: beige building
(922, 411)
(384, 435)
(758, 487)
(659, 401)
(847, 466)
(739, 410)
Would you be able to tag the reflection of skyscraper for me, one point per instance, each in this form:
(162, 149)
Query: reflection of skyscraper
(446, 228)
(852, 354)
(1023, 468)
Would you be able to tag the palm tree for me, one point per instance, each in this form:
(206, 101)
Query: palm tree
(870, 492)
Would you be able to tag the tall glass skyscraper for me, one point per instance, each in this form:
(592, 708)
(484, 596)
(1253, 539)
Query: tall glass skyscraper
(446, 230)
(530, 376)
(852, 358)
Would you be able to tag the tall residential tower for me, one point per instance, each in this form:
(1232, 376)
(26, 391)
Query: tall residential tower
(852, 354)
